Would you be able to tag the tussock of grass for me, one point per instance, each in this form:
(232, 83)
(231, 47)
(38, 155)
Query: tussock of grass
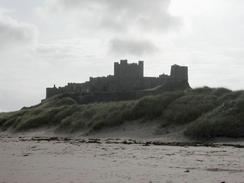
(152, 107)
(114, 115)
(227, 120)
(188, 108)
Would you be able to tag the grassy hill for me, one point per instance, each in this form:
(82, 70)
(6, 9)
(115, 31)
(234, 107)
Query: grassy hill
(206, 113)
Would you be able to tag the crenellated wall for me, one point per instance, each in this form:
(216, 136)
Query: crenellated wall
(126, 70)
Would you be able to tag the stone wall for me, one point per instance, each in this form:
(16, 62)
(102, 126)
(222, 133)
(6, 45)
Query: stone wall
(51, 91)
(102, 84)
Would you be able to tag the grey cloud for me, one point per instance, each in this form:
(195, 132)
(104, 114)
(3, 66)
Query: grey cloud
(132, 47)
(117, 19)
(14, 33)
(122, 15)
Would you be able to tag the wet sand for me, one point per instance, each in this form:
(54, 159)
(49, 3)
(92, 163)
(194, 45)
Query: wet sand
(28, 160)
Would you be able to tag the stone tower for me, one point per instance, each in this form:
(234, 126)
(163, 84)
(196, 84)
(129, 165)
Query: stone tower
(128, 76)
(51, 91)
(179, 73)
(125, 70)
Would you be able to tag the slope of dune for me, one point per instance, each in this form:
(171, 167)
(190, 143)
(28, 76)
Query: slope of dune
(201, 113)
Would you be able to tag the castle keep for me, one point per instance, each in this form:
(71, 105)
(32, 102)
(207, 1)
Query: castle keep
(127, 82)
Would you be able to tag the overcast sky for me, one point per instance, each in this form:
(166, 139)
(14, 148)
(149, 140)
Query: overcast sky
(46, 42)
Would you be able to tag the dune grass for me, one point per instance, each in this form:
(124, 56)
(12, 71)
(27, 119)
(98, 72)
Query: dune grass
(227, 120)
(208, 112)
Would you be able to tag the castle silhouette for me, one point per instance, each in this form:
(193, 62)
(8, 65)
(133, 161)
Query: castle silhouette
(128, 82)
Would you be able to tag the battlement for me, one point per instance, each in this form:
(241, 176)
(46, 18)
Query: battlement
(128, 70)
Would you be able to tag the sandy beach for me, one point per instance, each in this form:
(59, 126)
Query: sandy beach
(28, 160)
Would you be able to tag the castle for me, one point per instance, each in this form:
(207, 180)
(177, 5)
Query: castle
(128, 82)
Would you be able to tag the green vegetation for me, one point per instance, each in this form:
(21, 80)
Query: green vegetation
(207, 113)
(226, 120)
